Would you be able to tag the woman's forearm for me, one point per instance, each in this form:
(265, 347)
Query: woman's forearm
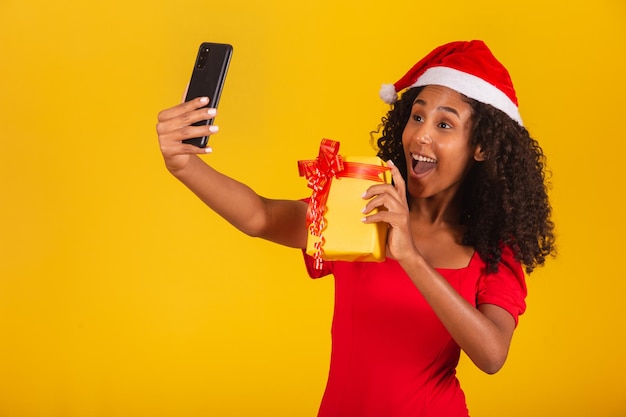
(483, 333)
(281, 221)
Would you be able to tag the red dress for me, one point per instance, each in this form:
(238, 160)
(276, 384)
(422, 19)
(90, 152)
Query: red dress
(391, 356)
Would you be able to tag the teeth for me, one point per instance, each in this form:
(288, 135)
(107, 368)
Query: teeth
(424, 158)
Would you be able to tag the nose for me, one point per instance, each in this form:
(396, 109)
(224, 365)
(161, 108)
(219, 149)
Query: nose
(424, 139)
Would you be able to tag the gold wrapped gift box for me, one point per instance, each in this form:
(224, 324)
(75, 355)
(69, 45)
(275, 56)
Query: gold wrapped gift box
(336, 230)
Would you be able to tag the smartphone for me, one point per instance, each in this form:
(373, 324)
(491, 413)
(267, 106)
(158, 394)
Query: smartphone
(207, 80)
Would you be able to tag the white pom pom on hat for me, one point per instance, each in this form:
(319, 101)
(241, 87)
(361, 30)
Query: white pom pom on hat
(467, 67)
(388, 93)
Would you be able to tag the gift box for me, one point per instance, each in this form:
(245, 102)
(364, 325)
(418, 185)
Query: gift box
(334, 217)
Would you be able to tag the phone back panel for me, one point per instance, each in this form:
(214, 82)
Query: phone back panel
(207, 79)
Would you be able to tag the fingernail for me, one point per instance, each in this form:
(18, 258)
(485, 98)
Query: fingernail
(390, 162)
(363, 210)
(211, 112)
(208, 149)
(204, 100)
(213, 129)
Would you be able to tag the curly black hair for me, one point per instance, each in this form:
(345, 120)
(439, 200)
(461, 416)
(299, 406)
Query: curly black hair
(504, 198)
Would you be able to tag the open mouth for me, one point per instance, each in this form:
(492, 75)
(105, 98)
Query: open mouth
(422, 164)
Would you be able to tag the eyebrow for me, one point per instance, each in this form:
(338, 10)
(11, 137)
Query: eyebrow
(444, 108)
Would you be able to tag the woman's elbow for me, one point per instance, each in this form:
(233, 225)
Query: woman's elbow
(491, 364)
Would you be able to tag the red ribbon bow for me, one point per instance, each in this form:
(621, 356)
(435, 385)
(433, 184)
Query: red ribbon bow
(319, 172)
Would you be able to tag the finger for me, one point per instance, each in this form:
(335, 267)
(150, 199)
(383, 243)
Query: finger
(377, 189)
(190, 132)
(185, 119)
(182, 108)
(195, 116)
(172, 149)
(382, 216)
(170, 138)
(398, 180)
(393, 217)
(384, 202)
(191, 149)
(380, 194)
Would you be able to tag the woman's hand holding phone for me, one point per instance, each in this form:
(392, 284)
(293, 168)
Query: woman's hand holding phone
(175, 125)
(184, 129)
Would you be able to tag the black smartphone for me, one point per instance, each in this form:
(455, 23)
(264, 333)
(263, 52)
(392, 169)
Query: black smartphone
(207, 80)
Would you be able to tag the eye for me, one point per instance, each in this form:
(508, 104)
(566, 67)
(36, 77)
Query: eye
(417, 118)
(444, 125)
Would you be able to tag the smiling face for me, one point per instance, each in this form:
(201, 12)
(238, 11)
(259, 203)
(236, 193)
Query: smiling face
(436, 142)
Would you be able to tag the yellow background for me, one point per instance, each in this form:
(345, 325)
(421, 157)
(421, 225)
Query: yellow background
(122, 295)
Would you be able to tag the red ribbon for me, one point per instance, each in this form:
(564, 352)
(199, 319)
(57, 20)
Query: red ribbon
(319, 172)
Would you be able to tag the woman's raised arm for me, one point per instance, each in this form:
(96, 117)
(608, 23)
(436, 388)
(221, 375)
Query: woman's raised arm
(280, 221)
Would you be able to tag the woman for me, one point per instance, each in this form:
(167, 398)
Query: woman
(467, 211)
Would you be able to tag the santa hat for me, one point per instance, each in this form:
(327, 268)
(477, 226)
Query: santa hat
(467, 67)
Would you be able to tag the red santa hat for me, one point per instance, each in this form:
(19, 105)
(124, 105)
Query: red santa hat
(467, 67)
